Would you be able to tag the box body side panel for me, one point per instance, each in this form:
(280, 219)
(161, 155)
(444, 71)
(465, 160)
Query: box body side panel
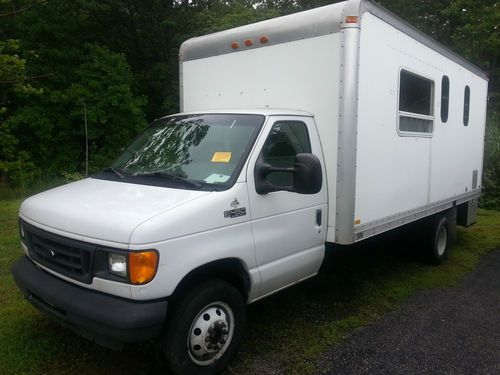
(398, 173)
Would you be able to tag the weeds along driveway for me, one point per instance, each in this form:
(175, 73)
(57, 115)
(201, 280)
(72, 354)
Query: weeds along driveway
(287, 333)
(453, 331)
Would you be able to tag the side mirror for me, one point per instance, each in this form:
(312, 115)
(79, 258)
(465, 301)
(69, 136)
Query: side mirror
(307, 176)
(262, 186)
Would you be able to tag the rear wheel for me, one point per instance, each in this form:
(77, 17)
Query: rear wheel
(438, 240)
(205, 329)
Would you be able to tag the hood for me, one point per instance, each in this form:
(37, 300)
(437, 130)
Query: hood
(105, 210)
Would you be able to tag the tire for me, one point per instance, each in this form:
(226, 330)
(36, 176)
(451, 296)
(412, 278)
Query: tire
(438, 240)
(205, 329)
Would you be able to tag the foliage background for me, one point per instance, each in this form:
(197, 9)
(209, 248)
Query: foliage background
(119, 57)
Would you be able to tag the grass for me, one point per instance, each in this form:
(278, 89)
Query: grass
(286, 332)
(40, 184)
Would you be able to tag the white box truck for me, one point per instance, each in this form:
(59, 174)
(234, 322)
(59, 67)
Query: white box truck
(329, 125)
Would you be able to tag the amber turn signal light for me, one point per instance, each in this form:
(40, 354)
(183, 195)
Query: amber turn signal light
(351, 19)
(142, 266)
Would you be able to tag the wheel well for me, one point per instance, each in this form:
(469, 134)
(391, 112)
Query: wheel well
(230, 270)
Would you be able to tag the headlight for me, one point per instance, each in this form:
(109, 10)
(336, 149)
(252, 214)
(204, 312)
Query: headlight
(137, 267)
(117, 264)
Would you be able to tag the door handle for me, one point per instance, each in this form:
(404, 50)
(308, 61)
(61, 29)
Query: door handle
(319, 217)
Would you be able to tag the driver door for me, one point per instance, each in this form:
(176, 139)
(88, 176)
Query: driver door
(289, 229)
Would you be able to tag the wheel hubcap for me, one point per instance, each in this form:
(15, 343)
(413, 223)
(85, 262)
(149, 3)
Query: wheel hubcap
(211, 333)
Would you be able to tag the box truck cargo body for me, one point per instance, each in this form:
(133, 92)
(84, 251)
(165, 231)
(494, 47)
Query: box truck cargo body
(378, 90)
(330, 125)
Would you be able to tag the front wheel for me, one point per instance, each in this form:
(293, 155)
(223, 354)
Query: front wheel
(205, 329)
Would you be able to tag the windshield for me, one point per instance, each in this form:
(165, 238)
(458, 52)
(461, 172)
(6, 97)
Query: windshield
(193, 151)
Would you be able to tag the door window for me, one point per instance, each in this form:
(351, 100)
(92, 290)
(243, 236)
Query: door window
(286, 139)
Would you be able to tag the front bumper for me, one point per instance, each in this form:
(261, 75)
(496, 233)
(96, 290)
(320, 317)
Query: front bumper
(107, 320)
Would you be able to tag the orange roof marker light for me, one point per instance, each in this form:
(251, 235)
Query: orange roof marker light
(249, 42)
(351, 19)
(235, 45)
(263, 39)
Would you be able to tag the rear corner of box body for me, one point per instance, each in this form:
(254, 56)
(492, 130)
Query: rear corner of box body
(344, 197)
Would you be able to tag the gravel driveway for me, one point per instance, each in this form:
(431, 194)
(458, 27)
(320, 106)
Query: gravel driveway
(453, 331)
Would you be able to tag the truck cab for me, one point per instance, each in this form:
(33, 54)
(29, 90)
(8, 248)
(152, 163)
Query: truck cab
(229, 196)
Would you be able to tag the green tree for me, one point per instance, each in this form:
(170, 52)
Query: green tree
(54, 121)
(16, 168)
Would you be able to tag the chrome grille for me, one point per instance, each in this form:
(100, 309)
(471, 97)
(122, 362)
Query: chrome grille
(63, 255)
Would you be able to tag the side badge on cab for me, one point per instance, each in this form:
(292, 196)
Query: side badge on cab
(235, 211)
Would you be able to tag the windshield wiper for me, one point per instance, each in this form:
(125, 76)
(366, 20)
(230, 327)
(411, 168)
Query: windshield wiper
(111, 169)
(170, 176)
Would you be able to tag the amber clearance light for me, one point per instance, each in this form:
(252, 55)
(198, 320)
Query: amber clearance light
(351, 19)
(142, 266)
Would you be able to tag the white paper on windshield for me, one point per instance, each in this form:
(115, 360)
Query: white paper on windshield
(215, 178)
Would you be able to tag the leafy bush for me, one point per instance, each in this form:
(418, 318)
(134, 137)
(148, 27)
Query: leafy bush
(72, 176)
(20, 172)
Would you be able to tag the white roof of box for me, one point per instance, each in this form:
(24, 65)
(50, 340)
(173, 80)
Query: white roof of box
(307, 24)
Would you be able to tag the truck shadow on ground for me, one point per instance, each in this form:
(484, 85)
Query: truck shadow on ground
(344, 272)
